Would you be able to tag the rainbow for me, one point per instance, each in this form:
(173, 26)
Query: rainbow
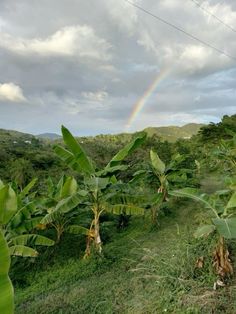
(143, 100)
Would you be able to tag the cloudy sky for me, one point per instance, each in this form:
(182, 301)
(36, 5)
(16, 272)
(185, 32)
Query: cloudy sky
(87, 64)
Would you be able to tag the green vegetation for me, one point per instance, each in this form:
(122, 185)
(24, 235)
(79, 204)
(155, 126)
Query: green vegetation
(154, 219)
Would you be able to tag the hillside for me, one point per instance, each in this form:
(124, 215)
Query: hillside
(48, 136)
(172, 133)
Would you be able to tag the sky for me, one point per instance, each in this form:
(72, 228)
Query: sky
(104, 66)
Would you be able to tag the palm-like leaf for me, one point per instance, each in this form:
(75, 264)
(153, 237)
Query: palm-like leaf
(23, 251)
(80, 156)
(128, 149)
(8, 204)
(64, 206)
(7, 294)
(32, 239)
(226, 227)
(157, 163)
(195, 195)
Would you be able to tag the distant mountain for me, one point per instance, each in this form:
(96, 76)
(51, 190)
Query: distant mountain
(172, 133)
(6, 135)
(48, 136)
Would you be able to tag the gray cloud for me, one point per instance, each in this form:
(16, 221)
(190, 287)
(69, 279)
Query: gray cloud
(86, 64)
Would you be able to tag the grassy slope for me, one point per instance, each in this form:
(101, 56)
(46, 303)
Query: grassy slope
(143, 272)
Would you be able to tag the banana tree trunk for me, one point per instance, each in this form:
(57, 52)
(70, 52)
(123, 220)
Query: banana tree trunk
(97, 238)
(94, 235)
(154, 213)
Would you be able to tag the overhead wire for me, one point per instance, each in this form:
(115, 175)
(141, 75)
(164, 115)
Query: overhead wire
(213, 15)
(181, 30)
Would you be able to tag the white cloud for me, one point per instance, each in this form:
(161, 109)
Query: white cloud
(76, 40)
(97, 96)
(11, 92)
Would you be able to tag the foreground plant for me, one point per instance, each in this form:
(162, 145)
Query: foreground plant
(97, 183)
(62, 206)
(7, 206)
(222, 220)
(163, 177)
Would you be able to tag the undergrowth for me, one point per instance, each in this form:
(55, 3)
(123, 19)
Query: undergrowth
(141, 271)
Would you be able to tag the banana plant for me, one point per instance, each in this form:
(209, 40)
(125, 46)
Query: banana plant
(163, 176)
(97, 182)
(222, 220)
(221, 207)
(17, 222)
(62, 206)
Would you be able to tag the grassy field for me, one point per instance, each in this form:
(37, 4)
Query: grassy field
(142, 271)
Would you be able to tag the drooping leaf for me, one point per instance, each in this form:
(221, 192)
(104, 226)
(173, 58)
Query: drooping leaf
(226, 227)
(195, 195)
(157, 163)
(23, 251)
(31, 240)
(6, 289)
(128, 149)
(203, 231)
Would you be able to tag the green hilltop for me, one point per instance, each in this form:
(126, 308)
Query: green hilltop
(173, 133)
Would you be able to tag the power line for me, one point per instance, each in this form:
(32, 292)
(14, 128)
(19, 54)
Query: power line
(213, 15)
(181, 30)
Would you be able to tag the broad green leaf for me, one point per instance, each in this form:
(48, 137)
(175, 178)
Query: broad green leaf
(226, 227)
(24, 251)
(232, 201)
(31, 240)
(110, 170)
(204, 231)
(128, 149)
(28, 187)
(195, 195)
(80, 156)
(138, 175)
(96, 183)
(22, 215)
(6, 289)
(75, 229)
(157, 163)
(69, 188)
(67, 204)
(64, 206)
(8, 204)
(67, 157)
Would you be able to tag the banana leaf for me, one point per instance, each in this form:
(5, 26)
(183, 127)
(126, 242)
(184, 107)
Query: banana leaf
(6, 288)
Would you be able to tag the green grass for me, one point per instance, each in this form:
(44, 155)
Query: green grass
(142, 271)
